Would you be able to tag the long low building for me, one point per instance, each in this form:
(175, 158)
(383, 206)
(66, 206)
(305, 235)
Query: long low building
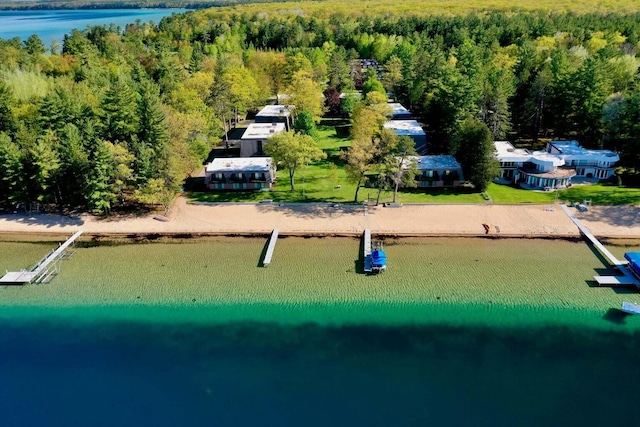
(399, 112)
(438, 171)
(256, 135)
(275, 114)
(413, 130)
(240, 173)
(554, 167)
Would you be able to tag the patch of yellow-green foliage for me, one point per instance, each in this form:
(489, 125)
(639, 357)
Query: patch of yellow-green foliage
(428, 7)
(26, 85)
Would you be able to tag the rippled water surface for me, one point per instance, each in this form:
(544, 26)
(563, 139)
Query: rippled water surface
(458, 331)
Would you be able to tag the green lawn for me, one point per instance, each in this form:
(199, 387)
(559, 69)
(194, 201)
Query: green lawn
(327, 139)
(599, 194)
(326, 181)
(322, 183)
(506, 194)
(602, 194)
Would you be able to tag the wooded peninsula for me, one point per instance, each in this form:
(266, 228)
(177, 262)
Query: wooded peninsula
(115, 116)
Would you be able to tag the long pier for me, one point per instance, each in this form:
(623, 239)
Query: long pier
(366, 251)
(272, 246)
(42, 270)
(628, 277)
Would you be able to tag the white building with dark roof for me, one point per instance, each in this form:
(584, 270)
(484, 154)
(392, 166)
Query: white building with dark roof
(240, 173)
(554, 167)
(587, 162)
(256, 135)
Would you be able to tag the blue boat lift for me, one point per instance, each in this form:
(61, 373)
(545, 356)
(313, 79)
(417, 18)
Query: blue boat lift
(375, 259)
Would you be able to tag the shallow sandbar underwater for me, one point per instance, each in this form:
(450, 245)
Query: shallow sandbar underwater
(429, 280)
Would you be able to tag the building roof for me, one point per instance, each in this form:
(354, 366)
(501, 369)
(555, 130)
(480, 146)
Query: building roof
(262, 130)
(240, 164)
(275, 111)
(398, 110)
(436, 162)
(506, 152)
(573, 150)
(405, 127)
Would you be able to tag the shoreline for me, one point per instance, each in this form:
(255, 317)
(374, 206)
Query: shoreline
(328, 220)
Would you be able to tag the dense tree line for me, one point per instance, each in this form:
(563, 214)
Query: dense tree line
(525, 75)
(108, 116)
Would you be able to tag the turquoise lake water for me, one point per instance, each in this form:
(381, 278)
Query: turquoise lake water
(52, 25)
(212, 346)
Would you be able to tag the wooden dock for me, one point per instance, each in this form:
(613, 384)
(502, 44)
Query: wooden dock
(272, 246)
(628, 277)
(366, 252)
(43, 270)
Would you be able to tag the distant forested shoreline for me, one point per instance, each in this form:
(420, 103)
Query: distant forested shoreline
(120, 4)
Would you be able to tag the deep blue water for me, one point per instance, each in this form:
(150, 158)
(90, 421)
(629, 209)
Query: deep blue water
(54, 24)
(68, 373)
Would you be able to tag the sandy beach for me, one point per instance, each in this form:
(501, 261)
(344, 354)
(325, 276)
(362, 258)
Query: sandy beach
(326, 219)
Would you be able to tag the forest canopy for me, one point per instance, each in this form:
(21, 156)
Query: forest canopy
(111, 116)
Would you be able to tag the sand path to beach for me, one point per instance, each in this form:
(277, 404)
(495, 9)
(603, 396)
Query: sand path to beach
(446, 220)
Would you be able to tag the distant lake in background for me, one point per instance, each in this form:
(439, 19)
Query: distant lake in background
(52, 25)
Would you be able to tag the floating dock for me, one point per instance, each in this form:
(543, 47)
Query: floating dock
(366, 253)
(631, 307)
(43, 270)
(272, 247)
(628, 278)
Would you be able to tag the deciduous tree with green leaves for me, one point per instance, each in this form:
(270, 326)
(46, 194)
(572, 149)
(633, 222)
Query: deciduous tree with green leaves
(156, 192)
(360, 157)
(396, 163)
(475, 152)
(292, 151)
(306, 94)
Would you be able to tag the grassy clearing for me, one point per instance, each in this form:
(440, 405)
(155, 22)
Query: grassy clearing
(326, 181)
(506, 194)
(599, 194)
(602, 194)
(322, 182)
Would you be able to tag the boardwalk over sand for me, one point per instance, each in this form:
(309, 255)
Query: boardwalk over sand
(42, 269)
